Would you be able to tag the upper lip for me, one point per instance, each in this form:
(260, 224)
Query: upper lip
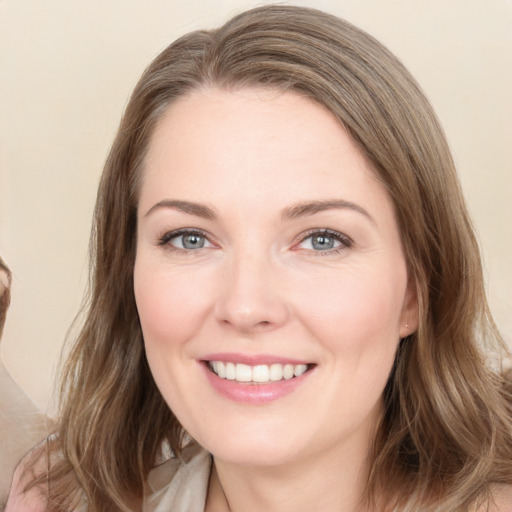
(253, 359)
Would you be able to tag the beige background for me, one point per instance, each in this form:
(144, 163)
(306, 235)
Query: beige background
(67, 68)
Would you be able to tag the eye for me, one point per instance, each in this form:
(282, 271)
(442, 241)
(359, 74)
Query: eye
(326, 241)
(185, 240)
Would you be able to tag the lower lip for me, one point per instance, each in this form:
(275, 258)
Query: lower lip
(255, 394)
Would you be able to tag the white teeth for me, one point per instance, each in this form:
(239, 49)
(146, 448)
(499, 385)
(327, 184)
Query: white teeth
(276, 372)
(220, 370)
(288, 371)
(300, 369)
(230, 371)
(258, 374)
(243, 373)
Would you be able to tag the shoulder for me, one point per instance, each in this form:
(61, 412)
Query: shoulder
(33, 500)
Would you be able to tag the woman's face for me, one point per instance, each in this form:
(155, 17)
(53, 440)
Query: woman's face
(267, 248)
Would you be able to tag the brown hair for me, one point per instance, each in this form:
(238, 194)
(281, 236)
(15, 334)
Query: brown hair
(5, 293)
(445, 438)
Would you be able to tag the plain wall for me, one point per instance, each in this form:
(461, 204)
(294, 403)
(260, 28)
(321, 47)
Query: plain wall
(66, 71)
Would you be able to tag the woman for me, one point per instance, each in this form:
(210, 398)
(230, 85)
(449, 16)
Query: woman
(286, 278)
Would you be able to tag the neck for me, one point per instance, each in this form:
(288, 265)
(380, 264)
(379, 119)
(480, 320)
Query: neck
(331, 481)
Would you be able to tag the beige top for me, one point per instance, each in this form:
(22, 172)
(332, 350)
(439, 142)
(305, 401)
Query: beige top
(21, 427)
(180, 486)
(173, 486)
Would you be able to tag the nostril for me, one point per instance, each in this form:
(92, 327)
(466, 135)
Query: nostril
(250, 311)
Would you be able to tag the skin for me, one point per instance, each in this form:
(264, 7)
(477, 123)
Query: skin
(259, 285)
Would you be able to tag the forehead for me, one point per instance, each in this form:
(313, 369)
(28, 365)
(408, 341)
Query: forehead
(225, 145)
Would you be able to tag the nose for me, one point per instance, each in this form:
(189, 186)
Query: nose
(251, 299)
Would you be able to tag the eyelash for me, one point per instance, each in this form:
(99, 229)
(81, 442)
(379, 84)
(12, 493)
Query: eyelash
(344, 240)
(164, 240)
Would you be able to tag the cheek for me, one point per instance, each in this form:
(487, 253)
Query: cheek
(356, 321)
(355, 311)
(171, 308)
(170, 304)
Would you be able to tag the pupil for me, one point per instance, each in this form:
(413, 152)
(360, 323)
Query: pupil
(193, 241)
(323, 242)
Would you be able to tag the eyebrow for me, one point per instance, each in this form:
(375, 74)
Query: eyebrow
(292, 212)
(311, 207)
(199, 210)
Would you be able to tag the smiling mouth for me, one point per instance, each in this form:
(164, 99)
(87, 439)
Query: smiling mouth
(258, 374)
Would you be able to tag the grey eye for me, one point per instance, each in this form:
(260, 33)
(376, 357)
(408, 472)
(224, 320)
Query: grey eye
(189, 241)
(322, 242)
(193, 241)
(325, 241)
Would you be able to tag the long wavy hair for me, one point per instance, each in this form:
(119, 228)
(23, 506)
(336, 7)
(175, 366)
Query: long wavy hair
(445, 439)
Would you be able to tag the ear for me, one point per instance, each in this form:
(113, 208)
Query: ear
(409, 319)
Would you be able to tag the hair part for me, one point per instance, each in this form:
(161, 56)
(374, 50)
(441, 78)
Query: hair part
(446, 433)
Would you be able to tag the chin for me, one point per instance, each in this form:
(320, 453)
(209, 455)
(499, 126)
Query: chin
(262, 445)
(255, 454)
